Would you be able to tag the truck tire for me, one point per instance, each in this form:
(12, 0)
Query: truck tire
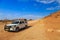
(17, 29)
(25, 26)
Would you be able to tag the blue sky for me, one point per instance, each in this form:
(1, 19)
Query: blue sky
(30, 9)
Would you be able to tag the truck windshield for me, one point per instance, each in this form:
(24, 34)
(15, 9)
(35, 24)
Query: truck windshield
(15, 22)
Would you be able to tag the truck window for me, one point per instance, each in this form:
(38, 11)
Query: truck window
(15, 22)
(21, 22)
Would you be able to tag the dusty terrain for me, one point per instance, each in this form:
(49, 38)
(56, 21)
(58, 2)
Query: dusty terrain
(47, 28)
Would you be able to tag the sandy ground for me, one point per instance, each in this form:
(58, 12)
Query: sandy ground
(37, 31)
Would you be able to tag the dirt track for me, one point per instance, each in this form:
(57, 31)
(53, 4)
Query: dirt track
(37, 31)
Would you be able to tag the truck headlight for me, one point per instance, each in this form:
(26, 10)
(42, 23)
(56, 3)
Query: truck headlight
(11, 28)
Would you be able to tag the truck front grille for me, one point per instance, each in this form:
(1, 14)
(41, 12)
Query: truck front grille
(7, 27)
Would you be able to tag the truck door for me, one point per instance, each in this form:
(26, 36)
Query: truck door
(22, 25)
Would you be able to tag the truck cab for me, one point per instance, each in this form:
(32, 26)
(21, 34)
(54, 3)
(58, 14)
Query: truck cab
(16, 25)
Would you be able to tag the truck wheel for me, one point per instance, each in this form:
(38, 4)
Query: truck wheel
(17, 29)
(26, 26)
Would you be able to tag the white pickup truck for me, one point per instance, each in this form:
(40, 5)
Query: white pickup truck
(16, 25)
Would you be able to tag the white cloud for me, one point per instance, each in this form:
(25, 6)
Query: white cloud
(45, 1)
(50, 1)
(53, 8)
(58, 1)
